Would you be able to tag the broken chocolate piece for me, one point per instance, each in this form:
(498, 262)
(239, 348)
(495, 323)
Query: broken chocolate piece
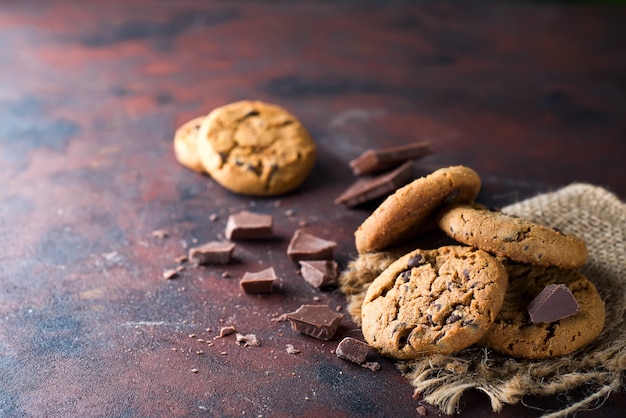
(249, 225)
(319, 273)
(259, 282)
(376, 160)
(370, 188)
(554, 302)
(318, 321)
(304, 246)
(353, 350)
(213, 252)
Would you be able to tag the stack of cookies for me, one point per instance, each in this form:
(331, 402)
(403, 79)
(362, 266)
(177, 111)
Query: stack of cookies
(507, 284)
(248, 147)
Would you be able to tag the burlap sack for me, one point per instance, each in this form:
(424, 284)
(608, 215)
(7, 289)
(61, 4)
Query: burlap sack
(587, 211)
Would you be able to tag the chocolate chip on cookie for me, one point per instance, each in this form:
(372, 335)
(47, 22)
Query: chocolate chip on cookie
(403, 212)
(512, 237)
(513, 332)
(433, 301)
(255, 148)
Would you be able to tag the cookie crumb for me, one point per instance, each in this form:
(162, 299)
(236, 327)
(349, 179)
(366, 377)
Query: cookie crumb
(421, 410)
(213, 217)
(194, 370)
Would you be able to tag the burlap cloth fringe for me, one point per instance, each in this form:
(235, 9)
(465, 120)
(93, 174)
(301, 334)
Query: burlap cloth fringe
(588, 211)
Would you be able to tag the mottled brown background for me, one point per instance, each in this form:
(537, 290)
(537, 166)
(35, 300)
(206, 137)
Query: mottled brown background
(530, 94)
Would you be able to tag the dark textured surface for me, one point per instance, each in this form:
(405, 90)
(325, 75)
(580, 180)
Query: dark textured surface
(529, 94)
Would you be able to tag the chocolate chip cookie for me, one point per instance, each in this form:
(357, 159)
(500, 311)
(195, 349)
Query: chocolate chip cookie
(514, 334)
(402, 213)
(433, 301)
(512, 237)
(186, 145)
(255, 148)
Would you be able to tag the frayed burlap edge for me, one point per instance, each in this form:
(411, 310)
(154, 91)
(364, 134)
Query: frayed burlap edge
(590, 212)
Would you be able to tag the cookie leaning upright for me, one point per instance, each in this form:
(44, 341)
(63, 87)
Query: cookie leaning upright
(433, 301)
(255, 148)
(397, 218)
(512, 237)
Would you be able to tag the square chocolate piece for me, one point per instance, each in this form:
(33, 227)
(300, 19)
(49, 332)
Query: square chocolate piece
(214, 252)
(249, 225)
(259, 282)
(317, 321)
(319, 273)
(304, 246)
(353, 350)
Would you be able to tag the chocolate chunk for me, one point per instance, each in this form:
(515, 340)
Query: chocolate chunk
(453, 318)
(319, 273)
(553, 303)
(353, 350)
(373, 187)
(249, 225)
(304, 246)
(376, 160)
(415, 261)
(214, 252)
(259, 282)
(318, 321)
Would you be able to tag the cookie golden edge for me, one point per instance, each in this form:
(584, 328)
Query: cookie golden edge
(238, 179)
(380, 314)
(186, 145)
(404, 211)
(512, 237)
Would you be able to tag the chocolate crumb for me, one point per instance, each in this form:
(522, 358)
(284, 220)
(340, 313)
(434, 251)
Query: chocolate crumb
(248, 340)
(372, 365)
